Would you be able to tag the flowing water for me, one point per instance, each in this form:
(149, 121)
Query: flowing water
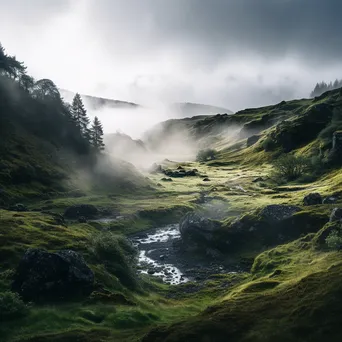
(161, 255)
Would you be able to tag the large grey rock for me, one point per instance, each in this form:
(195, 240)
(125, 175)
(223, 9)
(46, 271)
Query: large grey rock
(196, 230)
(336, 215)
(313, 199)
(329, 200)
(81, 210)
(52, 276)
(278, 212)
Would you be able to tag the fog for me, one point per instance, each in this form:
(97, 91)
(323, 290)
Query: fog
(228, 53)
(234, 54)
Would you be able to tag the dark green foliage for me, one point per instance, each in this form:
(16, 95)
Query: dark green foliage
(11, 306)
(79, 115)
(118, 255)
(206, 155)
(334, 240)
(96, 135)
(291, 167)
(322, 87)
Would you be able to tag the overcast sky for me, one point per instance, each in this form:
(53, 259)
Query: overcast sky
(231, 53)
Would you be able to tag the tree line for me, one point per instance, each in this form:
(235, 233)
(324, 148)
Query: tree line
(322, 87)
(38, 105)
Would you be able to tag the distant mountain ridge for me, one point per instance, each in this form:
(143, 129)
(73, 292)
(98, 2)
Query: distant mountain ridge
(182, 108)
(192, 109)
(99, 102)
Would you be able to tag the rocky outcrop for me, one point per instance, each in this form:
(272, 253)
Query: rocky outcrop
(44, 276)
(18, 207)
(180, 172)
(336, 215)
(74, 212)
(313, 199)
(267, 227)
(278, 212)
(329, 200)
(197, 231)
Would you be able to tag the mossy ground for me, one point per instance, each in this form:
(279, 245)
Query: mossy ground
(292, 292)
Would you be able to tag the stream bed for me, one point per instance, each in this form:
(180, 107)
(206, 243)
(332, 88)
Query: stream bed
(161, 255)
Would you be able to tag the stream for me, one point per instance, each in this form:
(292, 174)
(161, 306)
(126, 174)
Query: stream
(161, 255)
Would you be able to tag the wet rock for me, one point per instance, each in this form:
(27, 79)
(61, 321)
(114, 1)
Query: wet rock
(277, 212)
(88, 211)
(18, 207)
(313, 199)
(52, 276)
(151, 271)
(82, 219)
(196, 230)
(329, 200)
(336, 215)
(257, 179)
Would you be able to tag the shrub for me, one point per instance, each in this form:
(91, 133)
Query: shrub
(206, 155)
(291, 167)
(334, 240)
(118, 255)
(11, 306)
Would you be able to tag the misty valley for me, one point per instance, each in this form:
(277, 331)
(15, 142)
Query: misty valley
(174, 222)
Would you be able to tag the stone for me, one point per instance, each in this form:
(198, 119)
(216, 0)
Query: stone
(257, 179)
(41, 276)
(166, 180)
(329, 200)
(278, 212)
(76, 211)
(206, 179)
(82, 219)
(18, 207)
(336, 215)
(313, 199)
(151, 271)
(196, 230)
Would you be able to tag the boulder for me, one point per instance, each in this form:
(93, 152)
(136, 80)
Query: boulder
(18, 207)
(196, 231)
(329, 200)
(206, 179)
(257, 179)
(166, 180)
(52, 276)
(278, 212)
(313, 199)
(82, 219)
(76, 211)
(336, 215)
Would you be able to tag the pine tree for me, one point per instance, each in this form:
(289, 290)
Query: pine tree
(96, 134)
(80, 117)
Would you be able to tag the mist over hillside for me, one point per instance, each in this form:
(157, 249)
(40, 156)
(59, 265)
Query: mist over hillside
(134, 119)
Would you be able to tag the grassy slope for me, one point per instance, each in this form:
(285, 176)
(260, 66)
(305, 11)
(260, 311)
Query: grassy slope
(246, 308)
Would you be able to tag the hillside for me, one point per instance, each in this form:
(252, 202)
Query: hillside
(242, 245)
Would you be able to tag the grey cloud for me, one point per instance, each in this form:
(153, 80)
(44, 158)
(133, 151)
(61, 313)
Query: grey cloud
(223, 28)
